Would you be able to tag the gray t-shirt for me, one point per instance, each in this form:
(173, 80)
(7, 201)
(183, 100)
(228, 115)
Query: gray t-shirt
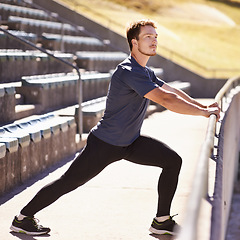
(126, 105)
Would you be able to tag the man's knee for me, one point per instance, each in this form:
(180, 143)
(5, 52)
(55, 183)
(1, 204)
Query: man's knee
(178, 162)
(174, 163)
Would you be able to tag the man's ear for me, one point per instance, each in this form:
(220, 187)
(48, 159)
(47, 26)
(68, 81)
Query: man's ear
(134, 41)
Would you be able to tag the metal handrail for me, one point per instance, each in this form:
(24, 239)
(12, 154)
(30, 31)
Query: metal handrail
(200, 183)
(28, 43)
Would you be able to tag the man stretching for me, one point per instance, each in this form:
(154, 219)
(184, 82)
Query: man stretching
(117, 135)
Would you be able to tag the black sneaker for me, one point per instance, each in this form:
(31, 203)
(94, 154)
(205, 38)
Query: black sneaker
(28, 226)
(166, 227)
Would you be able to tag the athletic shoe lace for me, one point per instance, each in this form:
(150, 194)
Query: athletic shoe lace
(35, 222)
(171, 217)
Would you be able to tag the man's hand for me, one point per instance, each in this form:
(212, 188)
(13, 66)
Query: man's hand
(213, 109)
(215, 104)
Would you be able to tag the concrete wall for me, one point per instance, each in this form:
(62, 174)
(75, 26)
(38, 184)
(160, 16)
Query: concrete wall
(227, 166)
(200, 87)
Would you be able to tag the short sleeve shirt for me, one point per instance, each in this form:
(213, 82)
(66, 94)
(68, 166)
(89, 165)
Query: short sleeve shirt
(126, 105)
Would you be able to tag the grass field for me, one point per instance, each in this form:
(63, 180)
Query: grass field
(202, 35)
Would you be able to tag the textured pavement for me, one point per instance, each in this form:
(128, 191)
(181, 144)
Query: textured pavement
(121, 201)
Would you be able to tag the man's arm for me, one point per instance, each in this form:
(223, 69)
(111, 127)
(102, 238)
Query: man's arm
(179, 102)
(186, 96)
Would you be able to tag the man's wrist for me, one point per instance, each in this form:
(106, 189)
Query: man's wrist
(204, 112)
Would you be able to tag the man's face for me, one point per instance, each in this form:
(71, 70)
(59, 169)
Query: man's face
(147, 41)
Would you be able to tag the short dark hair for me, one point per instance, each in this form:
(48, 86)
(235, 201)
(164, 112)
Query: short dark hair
(133, 29)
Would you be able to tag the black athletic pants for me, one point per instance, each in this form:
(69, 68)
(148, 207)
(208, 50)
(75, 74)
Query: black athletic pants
(97, 155)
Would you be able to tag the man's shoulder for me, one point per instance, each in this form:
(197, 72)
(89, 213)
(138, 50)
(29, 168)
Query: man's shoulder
(129, 69)
(129, 65)
(126, 64)
(124, 68)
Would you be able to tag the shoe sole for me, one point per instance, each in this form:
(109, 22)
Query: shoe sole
(19, 230)
(161, 232)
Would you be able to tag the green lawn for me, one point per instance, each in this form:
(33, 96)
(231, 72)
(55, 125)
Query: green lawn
(187, 36)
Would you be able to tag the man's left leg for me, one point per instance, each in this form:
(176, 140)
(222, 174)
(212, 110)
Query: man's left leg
(151, 152)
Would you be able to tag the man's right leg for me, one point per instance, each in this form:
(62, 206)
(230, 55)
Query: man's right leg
(93, 159)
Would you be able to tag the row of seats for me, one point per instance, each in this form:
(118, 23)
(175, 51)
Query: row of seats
(55, 90)
(39, 26)
(67, 43)
(7, 10)
(9, 43)
(54, 42)
(29, 146)
(20, 3)
(51, 91)
(99, 61)
(16, 63)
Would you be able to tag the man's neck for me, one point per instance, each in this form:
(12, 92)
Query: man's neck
(142, 60)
